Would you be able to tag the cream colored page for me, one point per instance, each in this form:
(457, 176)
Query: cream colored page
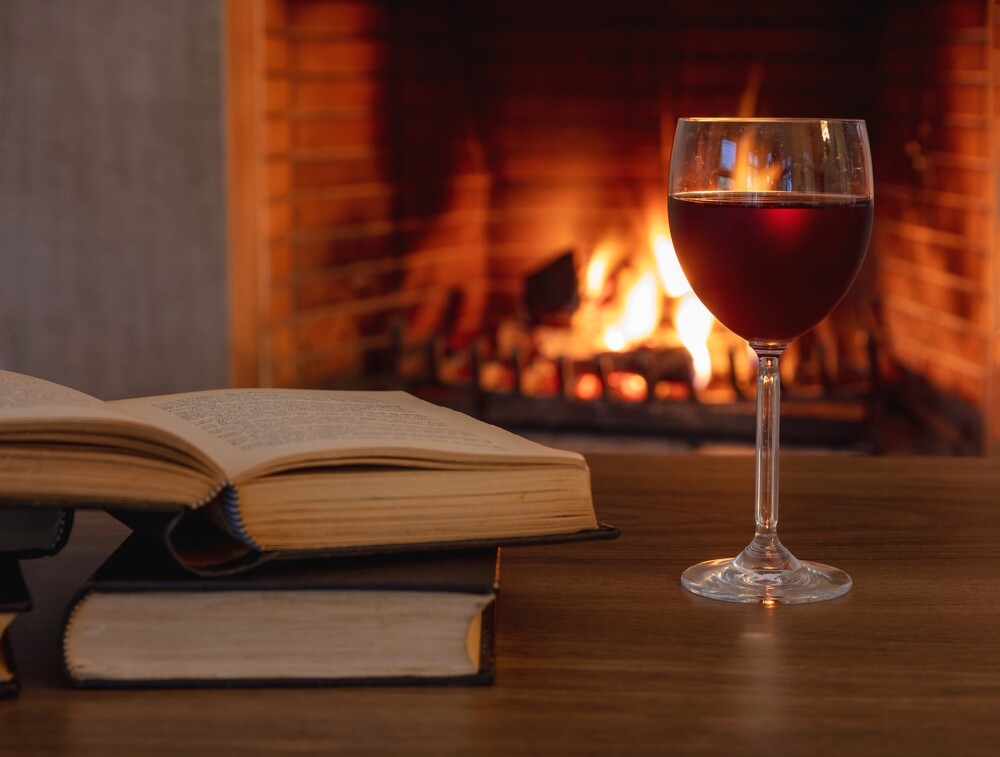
(45, 411)
(28, 398)
(246, 429)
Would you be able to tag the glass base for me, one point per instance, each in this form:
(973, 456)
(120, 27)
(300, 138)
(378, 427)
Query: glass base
(727, 580)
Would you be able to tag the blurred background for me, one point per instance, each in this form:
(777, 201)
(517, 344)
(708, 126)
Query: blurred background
(467, 200)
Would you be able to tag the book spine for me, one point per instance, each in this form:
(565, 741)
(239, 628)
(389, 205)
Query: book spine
(230, 500)
(65, 656)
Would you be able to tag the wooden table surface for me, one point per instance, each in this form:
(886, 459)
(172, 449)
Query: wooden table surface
(600, 651)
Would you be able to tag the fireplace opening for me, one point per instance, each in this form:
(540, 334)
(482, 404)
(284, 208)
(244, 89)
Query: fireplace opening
(467, 200)
(622, 351)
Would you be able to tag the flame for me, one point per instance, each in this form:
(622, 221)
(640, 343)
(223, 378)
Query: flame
(691, 318)
(596, 277)
(694, 324)
(622, 307)
(754, 168)
(675, 283)
(639, 316)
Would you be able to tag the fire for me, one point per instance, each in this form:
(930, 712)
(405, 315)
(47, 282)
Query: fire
(675, 283)
(694, 324)
(596, 278)
(621, 307)
(752, 168)
(692, 319)
(639, 316)
(623, 304)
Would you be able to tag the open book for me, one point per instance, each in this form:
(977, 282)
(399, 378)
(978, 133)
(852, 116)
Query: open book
(236, 473)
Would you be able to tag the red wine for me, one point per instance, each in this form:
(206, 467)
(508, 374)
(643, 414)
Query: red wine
(770, 265)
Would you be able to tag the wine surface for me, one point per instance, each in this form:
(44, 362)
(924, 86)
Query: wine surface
(770, 265)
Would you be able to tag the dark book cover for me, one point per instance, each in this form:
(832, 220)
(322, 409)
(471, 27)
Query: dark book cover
(14, 600)
(141, 571)
(29, 531)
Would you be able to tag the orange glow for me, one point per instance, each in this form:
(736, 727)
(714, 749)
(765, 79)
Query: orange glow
(671, 390)
(627, 385)
(588, 387)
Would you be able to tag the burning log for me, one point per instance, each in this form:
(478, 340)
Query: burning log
(551, 293)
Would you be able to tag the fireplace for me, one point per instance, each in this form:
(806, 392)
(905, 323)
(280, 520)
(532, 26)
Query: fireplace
(423, 194)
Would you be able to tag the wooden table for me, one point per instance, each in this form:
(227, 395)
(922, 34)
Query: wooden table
(600, 651)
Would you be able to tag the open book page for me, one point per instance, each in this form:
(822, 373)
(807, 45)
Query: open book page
(27, 397)
(35, 411)
(255, 431)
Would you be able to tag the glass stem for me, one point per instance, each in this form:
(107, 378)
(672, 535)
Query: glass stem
(768, 425)
(766, 552)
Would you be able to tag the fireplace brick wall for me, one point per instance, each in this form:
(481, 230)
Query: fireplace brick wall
(413, 161)
(372, 194)
(994, 414)
(935, 237)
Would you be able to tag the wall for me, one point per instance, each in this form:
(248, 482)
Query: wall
(428, 155)
(934, 239)
(994, 422)
(374, 188)
(112, 214)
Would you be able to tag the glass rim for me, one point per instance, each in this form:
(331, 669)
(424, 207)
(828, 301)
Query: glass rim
(766, 120)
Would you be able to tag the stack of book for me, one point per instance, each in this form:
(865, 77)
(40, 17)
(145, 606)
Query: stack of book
(285, 537)
(26, 533)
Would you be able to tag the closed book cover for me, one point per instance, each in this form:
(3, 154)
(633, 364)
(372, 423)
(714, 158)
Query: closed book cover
(30, 531)
(143, 621)
(14, 599)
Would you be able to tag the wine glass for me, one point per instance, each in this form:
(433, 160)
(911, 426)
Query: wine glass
(770, 219)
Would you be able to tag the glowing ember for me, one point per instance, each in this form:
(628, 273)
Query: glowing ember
(588, 387)
(627, 385)
(540, 377)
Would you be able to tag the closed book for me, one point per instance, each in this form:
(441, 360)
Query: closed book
(14, 600)
(31, 531)
(143, 621)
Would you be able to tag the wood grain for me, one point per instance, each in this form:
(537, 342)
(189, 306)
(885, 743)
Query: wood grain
(600, 651)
